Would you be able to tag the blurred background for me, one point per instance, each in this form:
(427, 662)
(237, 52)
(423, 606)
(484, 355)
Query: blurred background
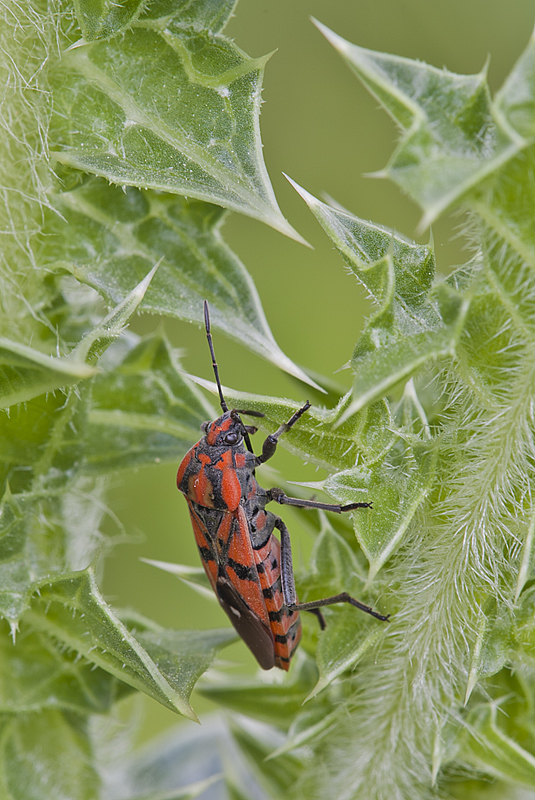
(324, 130)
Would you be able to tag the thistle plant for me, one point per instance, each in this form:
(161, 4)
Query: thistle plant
(128, 129)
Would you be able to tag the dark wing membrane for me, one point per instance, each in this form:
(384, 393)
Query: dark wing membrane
(255, 633)
(225, 546)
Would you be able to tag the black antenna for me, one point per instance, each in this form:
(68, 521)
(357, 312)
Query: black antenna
(216, 373)
(224, 406)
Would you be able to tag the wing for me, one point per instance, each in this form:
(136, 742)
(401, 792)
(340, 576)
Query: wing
(228, 559)
(254, 632)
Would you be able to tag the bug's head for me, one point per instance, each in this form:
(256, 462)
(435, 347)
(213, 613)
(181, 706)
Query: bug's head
(228, 430)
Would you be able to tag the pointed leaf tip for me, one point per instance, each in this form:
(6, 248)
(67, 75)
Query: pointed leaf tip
(164, 119)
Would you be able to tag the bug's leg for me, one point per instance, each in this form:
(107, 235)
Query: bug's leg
(288, 584)
(287, 569)
(319, 615)
(270, 443)
(280, 497)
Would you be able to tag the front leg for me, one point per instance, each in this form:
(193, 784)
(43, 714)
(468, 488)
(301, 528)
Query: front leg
(270, 444)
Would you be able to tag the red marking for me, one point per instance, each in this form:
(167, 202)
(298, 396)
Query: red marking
(182, 468)
(211, 434)
(241, 551)
(230, 483)
(200, 487)
(231, 489)
(269, 557)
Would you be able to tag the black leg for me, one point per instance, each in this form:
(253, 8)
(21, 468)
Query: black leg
(279, 497)
(270, 444)
(319, 615)
(343, 597)
(288, 585)
(287, 570)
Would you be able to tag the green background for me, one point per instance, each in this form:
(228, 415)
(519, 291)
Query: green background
(324, 130)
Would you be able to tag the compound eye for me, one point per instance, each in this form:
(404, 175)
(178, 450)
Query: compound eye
(231, 438)
(205, 426)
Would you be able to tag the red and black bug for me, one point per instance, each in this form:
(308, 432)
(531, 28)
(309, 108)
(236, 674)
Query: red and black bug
(249, 569)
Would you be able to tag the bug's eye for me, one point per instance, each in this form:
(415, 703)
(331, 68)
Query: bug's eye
(231, 438)
(205, 426)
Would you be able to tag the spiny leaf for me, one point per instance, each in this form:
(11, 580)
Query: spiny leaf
(142, 411)
(490, 749)
(492, 646)
(132, 231)
(46, 530)
(341, 647)
(334, 568)
(37, 672)
(164, 664)
(516, 100)
(167, 106)
(453, 138)
(414, 324)
(397, 486)
(102, 19)
(319, 435)
(29, 747)
(97, 341)
(26, 373)
(274, 703)
(210, 15)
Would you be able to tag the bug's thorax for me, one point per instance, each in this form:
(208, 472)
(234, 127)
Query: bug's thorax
(216, 472)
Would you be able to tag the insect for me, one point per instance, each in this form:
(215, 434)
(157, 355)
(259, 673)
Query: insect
(249, 569)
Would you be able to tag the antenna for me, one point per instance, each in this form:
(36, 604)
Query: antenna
(224, 406)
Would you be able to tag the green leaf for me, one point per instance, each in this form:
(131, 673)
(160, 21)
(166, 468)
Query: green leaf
(522, 628)
(195, 577)
(182, 656)
(488, 748)
(516, 99)
(341, 647)
(164, 664)
(492, 646)
(334, 566)
(319, 436)
(131, 231)
(167, 106)
(267, 701)
(453, 139)
(414, 324)
(210, 15)
(309, 726)
(143, 411)
(102, 19)
(26, 373)
(30, 767)
(397, 487)
(256, 742)
(349, 634)
(42, 533)
(183, 762)
(96, 342)
(37, 672)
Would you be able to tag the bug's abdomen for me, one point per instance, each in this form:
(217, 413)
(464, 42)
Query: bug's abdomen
(285, 625)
